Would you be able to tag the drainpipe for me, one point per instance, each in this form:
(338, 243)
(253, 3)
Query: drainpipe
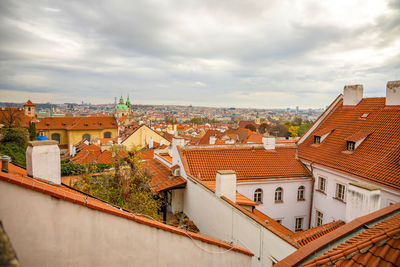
(312, 194)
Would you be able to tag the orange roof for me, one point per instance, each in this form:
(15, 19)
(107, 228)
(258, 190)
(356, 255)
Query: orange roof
(161, 178)
(92, 154)
(376, 159)
(254, 138)
(29, 103)
(248, 162)
(76, 197)
(148, 154)
(376, 246)
(205, 140)
(243, 133)
(304, 237)
(240, 199)
(77, 123)
(18, 113)
(372, 238)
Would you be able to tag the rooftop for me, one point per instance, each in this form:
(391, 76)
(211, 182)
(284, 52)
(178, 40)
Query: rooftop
(77, 123)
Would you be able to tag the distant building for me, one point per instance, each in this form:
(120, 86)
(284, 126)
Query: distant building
(123, 108)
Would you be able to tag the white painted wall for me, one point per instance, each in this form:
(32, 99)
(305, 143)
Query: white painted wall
(46, 231)
(290, 208)
(177, 200)
(334, 209)
(218, 219)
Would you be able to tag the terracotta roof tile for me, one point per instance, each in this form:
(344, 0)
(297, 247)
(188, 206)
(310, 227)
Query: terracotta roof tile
(247, 162)
(161, 176)
(376, 159)
(77, 123)
(304, 237)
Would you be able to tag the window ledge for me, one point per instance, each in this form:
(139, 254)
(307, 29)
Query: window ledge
(301, 199)
(315, 145)
(322, 192)
(339, 199)
(348, 152)
(278, 201)
(298, 230)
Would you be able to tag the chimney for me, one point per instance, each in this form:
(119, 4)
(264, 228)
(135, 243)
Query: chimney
(225, 184)
(4, 163)
(362, 199)
(151, 143)
(268, 142)
(352, 94)
(393, 93)
(178, 141)
(213, 139)
(43, 161)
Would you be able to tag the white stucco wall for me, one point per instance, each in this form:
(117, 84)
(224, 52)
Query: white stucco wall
(290, 208)
(218, 219)
(46, 231)
(334, 209)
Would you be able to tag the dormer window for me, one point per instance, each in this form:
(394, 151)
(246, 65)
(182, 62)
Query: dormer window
(350, 146)
(317, 139)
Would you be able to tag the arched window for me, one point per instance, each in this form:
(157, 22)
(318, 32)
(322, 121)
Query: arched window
(300, 193)
(279, 194)
(107, 135)
(258, 195)
(56, 137)
(86, 136)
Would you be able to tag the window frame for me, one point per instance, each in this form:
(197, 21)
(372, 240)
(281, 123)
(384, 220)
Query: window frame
(340, 195)
(301, 189)
(279, 194)
(56, 134)
(108, 133)
(320, 178)
(350, 145)
(83, 137)
(319, 218)
(258, 196)
(301, 220)
(317, 139)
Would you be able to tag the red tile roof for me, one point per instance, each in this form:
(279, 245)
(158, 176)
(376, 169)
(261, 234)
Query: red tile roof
(376, 246)
(247, 162)
(161, 176)
(79, 198)
(205, 140)
(29, 103)
(376, 159)
(93, 154)
(363, 238)
(304, 237)
(77, 123)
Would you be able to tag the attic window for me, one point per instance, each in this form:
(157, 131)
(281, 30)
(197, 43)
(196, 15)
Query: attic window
(64, 123)
(350, 145)
(317, 139)
(47, 124)
(86, 124)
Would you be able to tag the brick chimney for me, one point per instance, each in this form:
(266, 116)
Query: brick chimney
(225, 184)
(393, 93)
(213, 139)
(151, 142)
(362, 199)
(178, 141)
(352, 94)
(43, 161)
(268, 142)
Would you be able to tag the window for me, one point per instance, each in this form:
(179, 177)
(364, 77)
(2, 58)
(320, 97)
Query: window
(279, 221)
(278, 194)
(258, 195)
(317, 139)
(340, 189)
(321, 183)
(319, 217)
(56, 137)
(350, 145)
(299, 224)
(300, 193)
(107, 135)
(86, 136)
(29, 108)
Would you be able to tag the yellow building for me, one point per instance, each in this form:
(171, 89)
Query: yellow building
(143, 137)
(70, 130)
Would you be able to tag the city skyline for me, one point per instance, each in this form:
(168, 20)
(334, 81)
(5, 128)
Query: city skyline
(226, 54)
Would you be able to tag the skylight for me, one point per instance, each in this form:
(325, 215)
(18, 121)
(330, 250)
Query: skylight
(364, 115)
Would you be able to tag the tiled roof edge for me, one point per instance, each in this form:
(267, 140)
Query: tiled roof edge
(91, 203)
(304, 252)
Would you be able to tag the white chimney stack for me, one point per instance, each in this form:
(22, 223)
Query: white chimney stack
(268, 142)
(43, 161)
(178, 141)
(352, 94)
(225, 184)
(151, 143)
(361, 200)
(393, 93)
(213, 139)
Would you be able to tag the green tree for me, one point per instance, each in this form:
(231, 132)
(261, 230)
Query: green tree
(303, 128)
(251, 127)
(279, 130)
(263, 128)
(127, 187)
(32, 131)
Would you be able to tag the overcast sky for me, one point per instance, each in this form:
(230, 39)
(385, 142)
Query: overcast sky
(261, 54)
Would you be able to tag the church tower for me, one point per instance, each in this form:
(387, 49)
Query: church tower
(29, 109)
(128, 103)
(257, 120)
